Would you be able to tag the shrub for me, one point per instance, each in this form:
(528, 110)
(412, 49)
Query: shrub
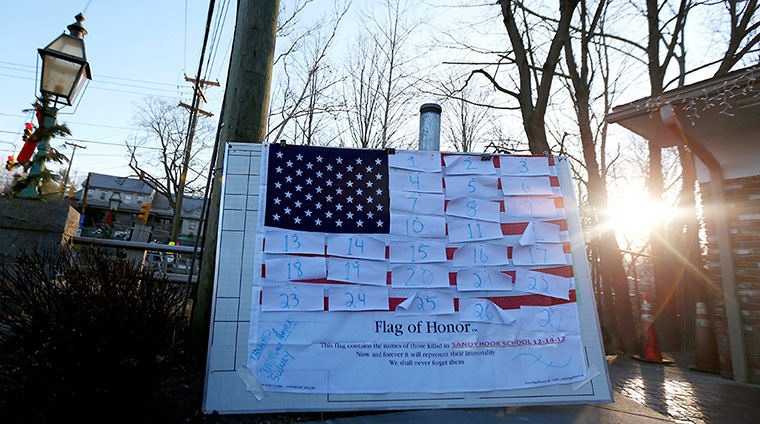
(81, 334)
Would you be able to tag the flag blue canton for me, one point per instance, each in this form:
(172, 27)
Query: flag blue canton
(327, 189)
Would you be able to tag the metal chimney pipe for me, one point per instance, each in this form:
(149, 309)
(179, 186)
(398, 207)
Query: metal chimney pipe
(430, 127)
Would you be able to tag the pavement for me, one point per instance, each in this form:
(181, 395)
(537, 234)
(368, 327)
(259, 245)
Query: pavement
(644, 393)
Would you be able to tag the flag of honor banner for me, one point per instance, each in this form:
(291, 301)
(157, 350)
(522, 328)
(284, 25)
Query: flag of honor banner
(400, 272)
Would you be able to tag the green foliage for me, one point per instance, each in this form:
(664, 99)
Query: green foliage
(45, 178)
(81, 335)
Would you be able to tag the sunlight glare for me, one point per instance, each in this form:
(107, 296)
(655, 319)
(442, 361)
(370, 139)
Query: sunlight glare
(634, 215)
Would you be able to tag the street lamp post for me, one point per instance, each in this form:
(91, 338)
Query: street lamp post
(64, 71)
(114, 201)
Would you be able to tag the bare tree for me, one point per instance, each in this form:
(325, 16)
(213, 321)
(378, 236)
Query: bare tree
(521, 31)
(582, 74)
(465, 121)
(163, 130)
(306, 79)
(378, 85)
(362, 94)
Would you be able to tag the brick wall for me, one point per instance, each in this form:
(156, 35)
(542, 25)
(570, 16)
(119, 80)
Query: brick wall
(743, 198)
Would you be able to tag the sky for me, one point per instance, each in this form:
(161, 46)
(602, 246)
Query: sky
(141, 48)
(135, 48)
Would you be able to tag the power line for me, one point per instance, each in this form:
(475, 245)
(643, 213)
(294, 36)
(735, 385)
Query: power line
(107, 89)
(100, 76)
(92, 141)
(75, 122)
(176, 86)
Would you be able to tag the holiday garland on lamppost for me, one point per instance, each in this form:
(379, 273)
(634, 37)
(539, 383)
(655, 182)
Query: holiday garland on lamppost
(37, 175)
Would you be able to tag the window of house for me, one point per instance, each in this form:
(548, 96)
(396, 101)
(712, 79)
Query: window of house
(103, 195)
(140, 200)
(192, 225)
(127, 199)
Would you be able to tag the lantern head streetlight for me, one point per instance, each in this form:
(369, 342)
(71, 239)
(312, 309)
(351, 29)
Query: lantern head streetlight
(64, 64)
(114, 201)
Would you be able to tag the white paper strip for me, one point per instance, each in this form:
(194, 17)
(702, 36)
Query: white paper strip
(418, 225)
(476, 279)
(299, 297)
(538, 254)
(418, 182)
(541, 283)
(481, 254)
(357, 271)
(526, 186)
(516, 165)
(484, 187)
(355, 246)
(418, 251)
(416, 275)
(417, 203)
(483, 310)
(415, 160)
(550, 318)
(357, 298)
(530, 207)
(468, 165)
(461, 229)
(284, 268)
(467, 207)
(537, 231)
(280, 241)
(427, 302)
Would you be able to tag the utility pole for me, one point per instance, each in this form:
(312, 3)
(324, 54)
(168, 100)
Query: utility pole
(194, 111)
(66, 178)
(244, 119)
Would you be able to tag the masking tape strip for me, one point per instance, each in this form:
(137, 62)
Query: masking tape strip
(251, 382)
(592, 372)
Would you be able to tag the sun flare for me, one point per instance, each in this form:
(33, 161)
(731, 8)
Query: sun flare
(633, 216)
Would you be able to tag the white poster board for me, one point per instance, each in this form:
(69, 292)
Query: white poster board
(322, 332)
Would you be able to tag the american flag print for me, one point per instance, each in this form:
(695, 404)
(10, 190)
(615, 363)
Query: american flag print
(327, 190)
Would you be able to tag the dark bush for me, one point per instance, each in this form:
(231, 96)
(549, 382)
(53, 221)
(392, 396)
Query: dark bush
(81, 336)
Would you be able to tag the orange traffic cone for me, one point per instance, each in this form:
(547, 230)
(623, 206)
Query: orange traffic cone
(651, 347)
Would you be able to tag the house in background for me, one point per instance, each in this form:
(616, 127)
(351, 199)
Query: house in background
(98, 189)
(717, 120)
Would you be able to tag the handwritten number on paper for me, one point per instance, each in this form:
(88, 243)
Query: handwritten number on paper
(420, 251)
(295, 267)
(548, 320)
(415, 182)
(349, 267)
(355, 243)
(479, 284)
(480, 232)
(427, 305)
(296, 242)
(471, 186)
(427, 276)
(352, 302)
(483, 311)
(285, 304)
(525, 188)
(471, 211)
(469, 165)
(414, 203)
(417, 226)
(483, 257)
(524, 167)
(532, 285)
(411, 161)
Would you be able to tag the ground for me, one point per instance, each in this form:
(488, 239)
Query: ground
(675, 391)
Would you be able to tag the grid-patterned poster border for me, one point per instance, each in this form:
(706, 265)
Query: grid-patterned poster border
(225, 389)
